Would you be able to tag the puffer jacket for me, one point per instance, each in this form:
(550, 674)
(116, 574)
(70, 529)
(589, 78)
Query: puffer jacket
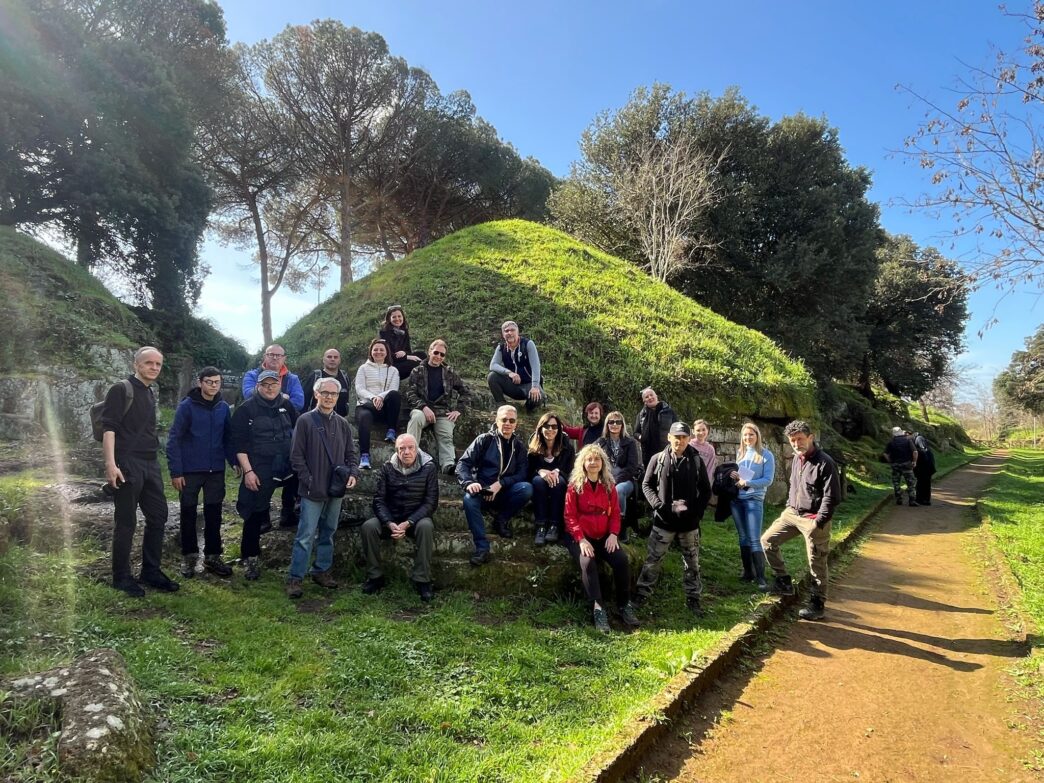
(406, 494)
(200, 439)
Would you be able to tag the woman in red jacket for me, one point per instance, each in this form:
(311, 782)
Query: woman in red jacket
(592, 519)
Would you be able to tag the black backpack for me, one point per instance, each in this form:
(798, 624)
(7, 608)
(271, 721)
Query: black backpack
(98, 407)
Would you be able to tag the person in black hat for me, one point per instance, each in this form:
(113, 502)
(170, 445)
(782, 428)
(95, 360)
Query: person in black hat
(677, 490)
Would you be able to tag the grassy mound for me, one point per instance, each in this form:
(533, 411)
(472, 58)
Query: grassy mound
(605, 330)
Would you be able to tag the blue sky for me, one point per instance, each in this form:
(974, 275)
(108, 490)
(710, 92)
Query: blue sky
(540, 71)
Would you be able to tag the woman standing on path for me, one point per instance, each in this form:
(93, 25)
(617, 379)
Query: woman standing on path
(377, 392)
(551, 458)
(395, 331)
(756, 467)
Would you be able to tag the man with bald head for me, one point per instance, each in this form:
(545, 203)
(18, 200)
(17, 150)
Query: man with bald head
(130, 446)
(405, 500)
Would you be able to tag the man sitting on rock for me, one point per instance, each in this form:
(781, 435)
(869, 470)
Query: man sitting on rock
(404, 502)
(514, 370)
(437, 397)
(492, 473)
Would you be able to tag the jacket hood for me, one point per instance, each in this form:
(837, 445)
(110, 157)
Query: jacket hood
(196, 395)
(423, 458)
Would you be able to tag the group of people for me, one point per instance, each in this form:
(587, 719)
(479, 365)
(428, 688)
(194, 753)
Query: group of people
(911, 460)
(296, 437)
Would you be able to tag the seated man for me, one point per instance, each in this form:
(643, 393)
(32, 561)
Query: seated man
(406, 497)
(514, 370)
(437, 397)
(492, 473)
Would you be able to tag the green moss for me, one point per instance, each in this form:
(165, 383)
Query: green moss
(604, 328)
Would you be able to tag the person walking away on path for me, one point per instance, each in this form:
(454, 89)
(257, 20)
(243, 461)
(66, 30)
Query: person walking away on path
(902, 456)
(198, 446)
(129, 447)
(755, 467)
(924, 469)
(592, 518)
(652, 424)
(677, 490)
(395, 331)
(625, 460)
(262, 430)
(592, 430)
(550, 462)
(514, 370)
(436, 396)
(815, 491)
(377, 397)
(331, 369)
(322, 454)
(403, 505)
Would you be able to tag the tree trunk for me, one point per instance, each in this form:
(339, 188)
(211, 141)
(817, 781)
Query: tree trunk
(863, 384)
(345, 219)
(262, 255)
(924, 411)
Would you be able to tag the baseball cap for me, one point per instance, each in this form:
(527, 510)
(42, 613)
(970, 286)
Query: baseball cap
(680, 428)
(267, 375)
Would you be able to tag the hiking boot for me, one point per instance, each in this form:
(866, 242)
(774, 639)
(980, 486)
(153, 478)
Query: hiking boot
(815, 610)
(694, 606)
(552, 535)
(265, 526)
(783, 585)
(160, 581)
(601, 620)
(323, 579)
(294, 589)
(449, 470)
(503, 528)
(287, 518)
(898, 500)
(188, 566)
(541, 536)
(373, 585)
(253, 569)
(389, 436)
(425, 591)
(481, 557)
(757, 559)
(364, 462)
(215, 565)
(913, 502)
(628, 616)
(129, 586)
(638, 600)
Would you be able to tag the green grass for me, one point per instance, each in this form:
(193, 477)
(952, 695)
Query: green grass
(604, 328)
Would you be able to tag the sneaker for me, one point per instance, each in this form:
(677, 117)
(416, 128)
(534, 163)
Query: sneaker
(253, 569)
(449, 470)
(294, 589)
(503, 528)
(552, 535)
(913, 502)
(129, 586)
(601, 620)
(628, 616)
(215, 565)
(815, 609)
(323, 579)
(694, 606)
(389, 436)
(188, 566)
(160, 581)
(364, 462)
(783, 585)
(373, 585)
(541, 536)
(425, 591)
(481, 557)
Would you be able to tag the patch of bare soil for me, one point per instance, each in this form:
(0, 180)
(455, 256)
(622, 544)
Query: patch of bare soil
(905, 680)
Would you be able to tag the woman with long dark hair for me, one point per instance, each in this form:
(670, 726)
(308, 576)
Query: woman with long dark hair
(377, 397)
(550, 462)
(395, 331)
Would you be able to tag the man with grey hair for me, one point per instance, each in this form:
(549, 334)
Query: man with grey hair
(514, 370)
(815, 491)
(404, 502)
(436, 396)
(129, 446)
(652, 424)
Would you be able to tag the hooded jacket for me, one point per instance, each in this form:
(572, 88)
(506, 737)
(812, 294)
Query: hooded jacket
(289, 384)
(484, 462)
(200, 439)
(406, 493)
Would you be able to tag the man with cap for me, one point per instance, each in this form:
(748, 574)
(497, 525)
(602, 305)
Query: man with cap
(677, 490)
(902, 456)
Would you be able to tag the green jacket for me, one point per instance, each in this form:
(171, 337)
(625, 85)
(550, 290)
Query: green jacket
(457, 395)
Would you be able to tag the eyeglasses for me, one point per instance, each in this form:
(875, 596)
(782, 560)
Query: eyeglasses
(507, 421)
(549, 426)
(276, 355)
(328, 393)
(438, 353)
(211, 381)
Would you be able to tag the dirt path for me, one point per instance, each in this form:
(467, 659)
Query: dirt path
(904, 681)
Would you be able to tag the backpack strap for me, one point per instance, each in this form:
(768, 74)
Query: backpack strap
(128, 395)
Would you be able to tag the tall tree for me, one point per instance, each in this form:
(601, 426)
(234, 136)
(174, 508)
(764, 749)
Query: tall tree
(1021, 383)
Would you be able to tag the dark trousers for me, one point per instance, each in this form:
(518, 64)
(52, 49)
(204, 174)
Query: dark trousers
(406, 366)
(500, 386)
(387, 415)
(213, 486)
(589, 570)
(255, 508)
(289, 497)
(924, 484)
(142, 487)
(549, 502)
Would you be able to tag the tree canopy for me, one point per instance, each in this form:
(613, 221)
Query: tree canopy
(1021, 384)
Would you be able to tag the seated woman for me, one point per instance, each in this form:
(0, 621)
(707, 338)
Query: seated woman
(377, 397)
(592, 518)
(625, 459)
(591, 431)
(550, 462)
(395, 331)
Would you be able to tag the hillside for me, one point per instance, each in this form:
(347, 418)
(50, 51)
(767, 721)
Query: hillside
(605, 330)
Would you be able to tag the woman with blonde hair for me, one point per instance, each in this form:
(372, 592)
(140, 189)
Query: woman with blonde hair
(625, 460)
(551, 458)
(592, 519)
(753, 476)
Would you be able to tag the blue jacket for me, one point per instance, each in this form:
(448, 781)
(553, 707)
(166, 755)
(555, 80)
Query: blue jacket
(482, 461)
(200, 440)
(291, 385)
(763, 473)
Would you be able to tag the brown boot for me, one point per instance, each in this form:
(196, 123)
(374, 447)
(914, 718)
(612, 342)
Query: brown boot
(293, 588)
(323, 579)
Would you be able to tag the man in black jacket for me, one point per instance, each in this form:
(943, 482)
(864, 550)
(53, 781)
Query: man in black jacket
(902, 456)
(815, 491)
(652, 424)
(331, 369)
(405, 500)
(677, 489)
(129, 446)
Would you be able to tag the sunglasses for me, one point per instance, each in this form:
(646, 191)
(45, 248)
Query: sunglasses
(615, 423)
(549, 426)
(507, 421)
(438, 353)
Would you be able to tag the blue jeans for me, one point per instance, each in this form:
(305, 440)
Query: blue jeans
(748, 514)
(623, 491)
(506, 504)
(321, 515)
